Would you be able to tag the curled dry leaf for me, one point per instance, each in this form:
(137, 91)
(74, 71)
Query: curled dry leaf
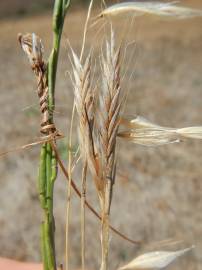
(33, 48)
(138, 8)
(143, 132)
(155, 260)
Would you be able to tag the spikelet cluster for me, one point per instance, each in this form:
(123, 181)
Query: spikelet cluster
(108, 113)
(98, 128)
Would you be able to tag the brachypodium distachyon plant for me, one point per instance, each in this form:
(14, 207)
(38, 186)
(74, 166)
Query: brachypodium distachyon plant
(100, 122)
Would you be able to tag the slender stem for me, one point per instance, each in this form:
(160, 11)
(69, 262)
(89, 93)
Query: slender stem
(47, 176)
(104, 233)
(43, 246)
(88, 205)
(69, 192)
(105, 224)
(83, 198)
(104, 241)
(48, 161)
(49, 218)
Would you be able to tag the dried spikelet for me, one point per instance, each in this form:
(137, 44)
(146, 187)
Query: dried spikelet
(84, 101)
(141, 131)
(151, 137)
(138, 8)
(33, 48)
(109, 109)
(155, 260)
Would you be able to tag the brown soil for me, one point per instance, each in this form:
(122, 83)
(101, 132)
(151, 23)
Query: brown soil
(158, 191)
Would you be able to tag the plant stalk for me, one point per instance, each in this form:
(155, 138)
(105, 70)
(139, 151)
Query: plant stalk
(83, 198)
(104, 241)
(48, 161)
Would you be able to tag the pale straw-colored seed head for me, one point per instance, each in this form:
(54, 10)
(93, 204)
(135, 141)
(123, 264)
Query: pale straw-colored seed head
(84, 101)
(110, 104)
(141, 131)
(155, 260)
(151, 137)
(137, 8)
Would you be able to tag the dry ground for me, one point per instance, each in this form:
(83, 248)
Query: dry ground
(158, 192)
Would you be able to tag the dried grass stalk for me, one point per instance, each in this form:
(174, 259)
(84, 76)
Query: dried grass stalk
(84, 102)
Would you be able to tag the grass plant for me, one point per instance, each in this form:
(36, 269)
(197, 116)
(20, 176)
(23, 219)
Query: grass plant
(100, 122)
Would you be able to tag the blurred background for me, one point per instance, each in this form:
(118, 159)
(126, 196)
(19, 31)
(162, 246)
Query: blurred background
(158, 191)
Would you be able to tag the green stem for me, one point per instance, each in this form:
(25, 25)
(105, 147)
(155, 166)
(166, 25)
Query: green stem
(43, 246)
(48, 161)
(42, 177)
(60, 9)
(47, 176)
(48, 243)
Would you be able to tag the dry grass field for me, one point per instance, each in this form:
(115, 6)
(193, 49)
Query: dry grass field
(158, 191)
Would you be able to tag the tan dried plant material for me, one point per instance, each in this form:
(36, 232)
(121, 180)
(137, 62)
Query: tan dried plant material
(33, 48)
(156, 8)
(155, 260)
(144, 132)
(98, 128)
(108, 117)
(84, 102)
(107, 130)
